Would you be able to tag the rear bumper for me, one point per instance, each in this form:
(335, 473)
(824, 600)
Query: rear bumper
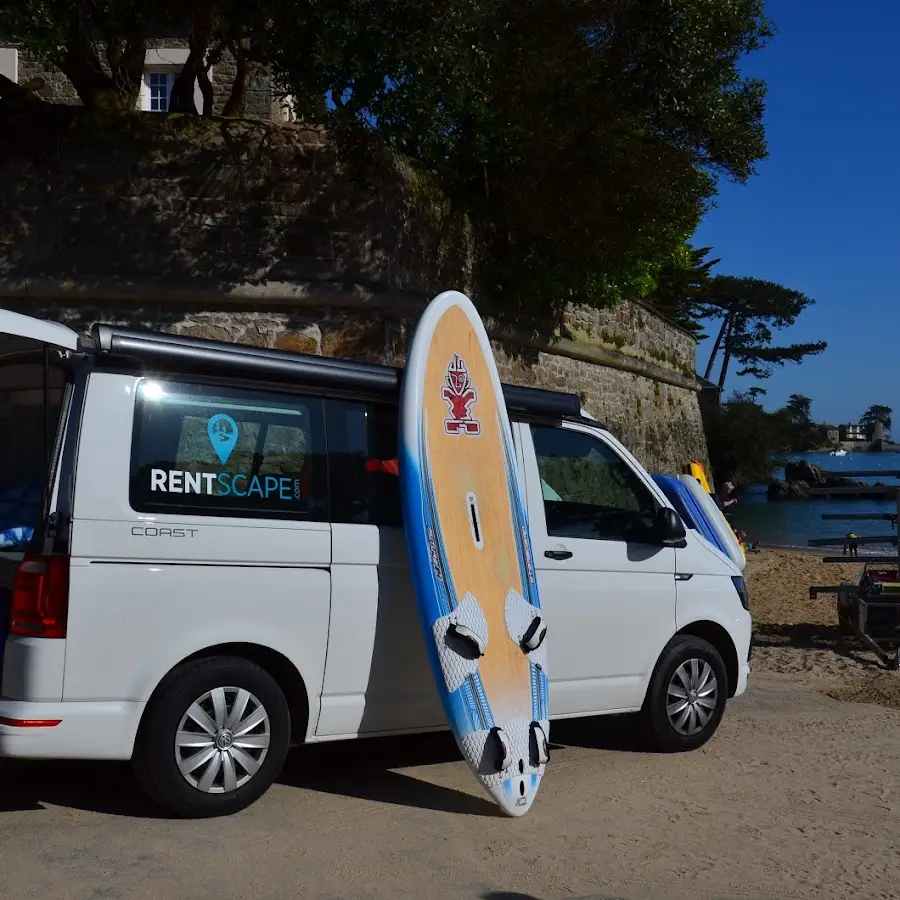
(85, 730)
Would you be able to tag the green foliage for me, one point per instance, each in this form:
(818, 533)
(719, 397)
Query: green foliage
(743, 438)
(877, 413)
(583, 137)
(585, 481)
(750, 310)
(680, 284)
(99, 45)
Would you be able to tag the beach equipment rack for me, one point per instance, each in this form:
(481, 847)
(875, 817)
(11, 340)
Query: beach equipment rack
(868, 608)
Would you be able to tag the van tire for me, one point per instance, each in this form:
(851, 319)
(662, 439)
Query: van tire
(686, 664)
(156, 757)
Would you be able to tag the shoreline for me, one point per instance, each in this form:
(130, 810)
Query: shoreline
(820, 551)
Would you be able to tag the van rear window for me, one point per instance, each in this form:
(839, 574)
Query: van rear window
(204, 450)
(32, 385)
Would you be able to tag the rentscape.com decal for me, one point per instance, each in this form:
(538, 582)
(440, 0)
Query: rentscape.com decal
(223, 435)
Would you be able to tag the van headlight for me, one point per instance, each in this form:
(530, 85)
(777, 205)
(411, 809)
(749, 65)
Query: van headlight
(741, 587)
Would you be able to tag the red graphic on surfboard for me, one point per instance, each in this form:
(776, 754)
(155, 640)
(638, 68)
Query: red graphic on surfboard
(460, 396)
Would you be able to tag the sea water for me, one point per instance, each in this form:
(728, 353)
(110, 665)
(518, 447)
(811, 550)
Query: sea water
(790, 523)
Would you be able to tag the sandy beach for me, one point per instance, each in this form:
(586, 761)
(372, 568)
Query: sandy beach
(797, 638)
(797, 796)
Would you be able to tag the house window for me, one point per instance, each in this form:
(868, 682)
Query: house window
(159, 89)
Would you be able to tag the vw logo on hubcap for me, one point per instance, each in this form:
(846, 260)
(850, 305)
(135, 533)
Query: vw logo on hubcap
(224, 740)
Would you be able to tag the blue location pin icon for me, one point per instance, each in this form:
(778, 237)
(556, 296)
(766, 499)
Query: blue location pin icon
(223, 435)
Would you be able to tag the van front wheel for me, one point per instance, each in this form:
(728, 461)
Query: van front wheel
(214, 738)
(686, 697)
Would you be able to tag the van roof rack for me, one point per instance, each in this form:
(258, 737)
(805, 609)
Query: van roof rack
(220, 358)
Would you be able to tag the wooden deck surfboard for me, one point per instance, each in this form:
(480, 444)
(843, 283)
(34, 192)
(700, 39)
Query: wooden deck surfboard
(470, 553)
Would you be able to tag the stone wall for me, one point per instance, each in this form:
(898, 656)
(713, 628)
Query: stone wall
(259, 234)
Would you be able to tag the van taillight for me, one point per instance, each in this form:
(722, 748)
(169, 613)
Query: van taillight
(40, 597)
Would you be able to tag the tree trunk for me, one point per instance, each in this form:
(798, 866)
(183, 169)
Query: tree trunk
(234, 106)
(196, 67)
(206, 89)
(715, 349)
(726, 359)
(96, 89)
(130, 71)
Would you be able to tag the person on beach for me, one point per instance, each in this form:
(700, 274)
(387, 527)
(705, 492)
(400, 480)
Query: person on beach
(851, 545)
(726, 498)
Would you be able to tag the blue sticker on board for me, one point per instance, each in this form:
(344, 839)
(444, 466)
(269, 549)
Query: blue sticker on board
(223, 435)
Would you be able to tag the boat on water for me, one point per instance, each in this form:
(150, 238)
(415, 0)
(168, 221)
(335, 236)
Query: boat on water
(841, 452)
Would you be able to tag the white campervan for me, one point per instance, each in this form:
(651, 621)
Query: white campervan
(203, 562)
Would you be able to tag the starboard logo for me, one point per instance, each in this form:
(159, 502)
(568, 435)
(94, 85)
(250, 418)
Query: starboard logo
(435, 557)
(223, 433)
(460, 396)
(526, 549)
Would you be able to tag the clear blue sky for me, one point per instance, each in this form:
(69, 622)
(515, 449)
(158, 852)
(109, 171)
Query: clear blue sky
(823, 213)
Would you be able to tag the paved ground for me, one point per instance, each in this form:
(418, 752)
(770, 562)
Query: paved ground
(798, 796)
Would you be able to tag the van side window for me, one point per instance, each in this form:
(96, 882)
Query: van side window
(221, 451)
(589, 491)
(362, 462)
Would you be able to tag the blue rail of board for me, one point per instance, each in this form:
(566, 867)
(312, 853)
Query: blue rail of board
(688, 508)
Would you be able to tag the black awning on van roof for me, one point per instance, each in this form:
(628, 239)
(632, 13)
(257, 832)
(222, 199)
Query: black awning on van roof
(199, 355)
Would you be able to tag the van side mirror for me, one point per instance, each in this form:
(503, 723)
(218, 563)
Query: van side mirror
(668, 527)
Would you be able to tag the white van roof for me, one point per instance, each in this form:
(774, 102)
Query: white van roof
(45, 332)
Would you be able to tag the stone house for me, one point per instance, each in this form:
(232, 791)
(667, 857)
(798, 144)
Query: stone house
(164, 59)
(853, 433)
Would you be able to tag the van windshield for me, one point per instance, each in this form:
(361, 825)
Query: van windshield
(32, 383)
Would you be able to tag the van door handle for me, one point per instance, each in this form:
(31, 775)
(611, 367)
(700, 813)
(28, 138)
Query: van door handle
(558, 554)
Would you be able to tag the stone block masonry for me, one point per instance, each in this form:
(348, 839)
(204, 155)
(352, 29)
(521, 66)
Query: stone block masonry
(254, 233)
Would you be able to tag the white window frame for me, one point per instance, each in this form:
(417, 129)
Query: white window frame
(288, 107)
(9, 63)
(169, 61)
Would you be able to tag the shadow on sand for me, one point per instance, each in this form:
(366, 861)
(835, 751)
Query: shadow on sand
(366, 769)
(805, 636)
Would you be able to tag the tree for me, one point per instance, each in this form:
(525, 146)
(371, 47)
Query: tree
(800, 409)
(803, 434)
(743, 438)
(877, 413)
(99, 45)
(750, 310)
(582, 137)
(679, 286)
